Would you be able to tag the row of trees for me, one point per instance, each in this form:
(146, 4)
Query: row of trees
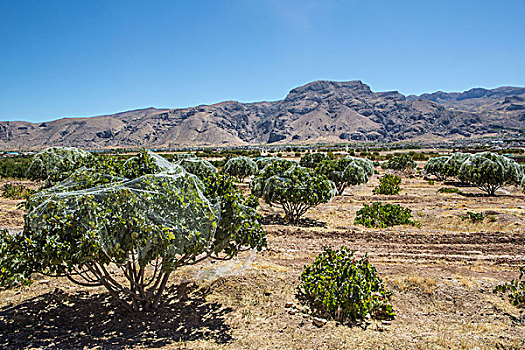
(488, 171)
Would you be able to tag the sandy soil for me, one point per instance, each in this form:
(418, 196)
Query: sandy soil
(442, 275)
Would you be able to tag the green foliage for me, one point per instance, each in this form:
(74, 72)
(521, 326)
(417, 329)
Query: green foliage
(366, 164)
(339, 285)
(147, 227)
(388, 184)
(238, 224)
(264, 161)
(515, 290)
(241, 167)
(343, 172)
(399, 163)
(141, 164)
(55, 164)
(450, 190)
(454, 163)
(381, 216)
(274, 167)
(16, 191)
(474, 217)
(436, 166)
(311, 160)
(294, 188)
(489, 171)
(199, 167)
(14, 167)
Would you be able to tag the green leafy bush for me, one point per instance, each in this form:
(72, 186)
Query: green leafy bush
(366, 164)
(474, 217)
(388, 184)
(14, 167)
(241, 167)
(341, 286)
(147, 227)
(197, 166)
(381, 216)
(450, 190)
(454, 163)
(515, 290)
(399, 163)
(16, 191)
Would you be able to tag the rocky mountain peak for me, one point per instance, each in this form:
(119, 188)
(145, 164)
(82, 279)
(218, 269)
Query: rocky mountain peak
(325, 88)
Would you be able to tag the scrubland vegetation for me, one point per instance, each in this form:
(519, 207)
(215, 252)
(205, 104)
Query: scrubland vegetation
(311, 252)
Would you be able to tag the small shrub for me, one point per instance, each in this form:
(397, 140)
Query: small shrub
(16, 192)
(431, 182)
(515, 290)
(474, 217)
(381, 216)
(449, 190)
(343, 287)
(388, 184)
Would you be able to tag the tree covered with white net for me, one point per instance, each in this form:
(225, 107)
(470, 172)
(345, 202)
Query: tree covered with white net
(346, 172)
(55, 164)
(436, 166)
(241, 167)
(264, 161)
(489, 171)
(294, 188)
(198, 166)
(93, 224)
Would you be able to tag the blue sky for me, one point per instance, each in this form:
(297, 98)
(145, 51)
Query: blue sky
(84, 58)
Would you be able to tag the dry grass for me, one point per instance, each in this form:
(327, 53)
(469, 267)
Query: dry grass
(442, 275)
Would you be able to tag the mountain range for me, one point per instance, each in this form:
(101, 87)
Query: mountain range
(321, 111)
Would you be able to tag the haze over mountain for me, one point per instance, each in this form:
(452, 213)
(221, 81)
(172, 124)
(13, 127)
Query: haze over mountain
(321, 111)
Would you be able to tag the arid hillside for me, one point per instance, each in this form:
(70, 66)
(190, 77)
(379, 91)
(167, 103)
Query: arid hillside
(321, 111)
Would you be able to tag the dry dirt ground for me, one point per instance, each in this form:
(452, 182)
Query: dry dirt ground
(442, 275)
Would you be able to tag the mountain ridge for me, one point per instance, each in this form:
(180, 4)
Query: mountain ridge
(320, 111)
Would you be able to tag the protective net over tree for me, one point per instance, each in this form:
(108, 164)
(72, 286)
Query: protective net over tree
(55, 164)
(147, 227)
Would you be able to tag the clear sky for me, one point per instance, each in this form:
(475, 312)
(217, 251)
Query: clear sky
(84, 58)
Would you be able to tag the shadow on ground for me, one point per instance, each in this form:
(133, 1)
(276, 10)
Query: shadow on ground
(69, 321)
(276, 219)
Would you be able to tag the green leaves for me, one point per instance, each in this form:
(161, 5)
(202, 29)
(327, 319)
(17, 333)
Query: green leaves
(381, 216)
(399, 163)
(345, 172)
(161, 216)
(388, 184)
(489, 171)
(240, 167)
(16, 191)
(515, 290)
(294, 188)
(55, 164)
(436, 166)
(341, 286)
(312, 160)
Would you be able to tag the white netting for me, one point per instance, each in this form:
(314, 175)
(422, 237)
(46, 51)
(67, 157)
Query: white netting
(157, 214)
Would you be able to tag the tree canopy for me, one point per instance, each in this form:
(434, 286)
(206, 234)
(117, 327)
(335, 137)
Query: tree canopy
(147, 227)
